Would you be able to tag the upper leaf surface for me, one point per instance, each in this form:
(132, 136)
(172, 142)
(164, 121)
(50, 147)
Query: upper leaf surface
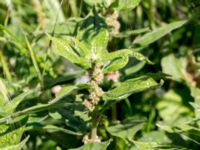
(128, 4)
(124, 89)
(126, 130)
(156, 34)
(93, 33)
(94, 146)
(63, 48)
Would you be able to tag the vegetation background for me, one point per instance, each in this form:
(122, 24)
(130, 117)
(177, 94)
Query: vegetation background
(154, 101)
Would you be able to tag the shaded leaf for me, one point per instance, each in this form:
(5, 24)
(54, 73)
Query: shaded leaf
(63, 80)
(126, 130)
(52, 128)
(11, 106)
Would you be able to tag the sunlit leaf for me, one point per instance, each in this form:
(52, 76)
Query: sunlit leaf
(156, 34)
(17, 146)
(116, 64)
(94, 146)
(93, 33)
(174, 67)
(91, 2)
(11, 133)
(63, 48)
(66, 90)
(172, 104)
(118, 59)
(128, 4)
(18, 43)
(129, 87)
(131, 32)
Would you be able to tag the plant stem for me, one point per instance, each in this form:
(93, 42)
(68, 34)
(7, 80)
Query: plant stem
(94, 129)
(96, 92)
(114, 113)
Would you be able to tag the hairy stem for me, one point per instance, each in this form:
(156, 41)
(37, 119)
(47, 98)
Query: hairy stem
(96, 92)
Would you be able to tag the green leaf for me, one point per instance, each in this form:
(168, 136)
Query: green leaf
(135, 68)
(185, 131)
(65, 90)
(118, 59)
(94, 146)
(177, 68)
(60, 28)
(126, 130)
(128, 4)
(156, 34)
(17, 146)
(55, 103)
(131, 32)
(144, 145)
(3, 91)
(5, 66)
(52, 128)
(172, 103)
(93, 33)
(107, 3)
(155, 136)
(63, 48)
(116, 64)
(80, 47)
(116, 54)
(92, 2)
(128, 87)
(174, 67)
(99, 43)
(48, 83)
(33, 58)
(18, 43)
(195, 94)
(11, 106)
(141, 57)
(12, 133)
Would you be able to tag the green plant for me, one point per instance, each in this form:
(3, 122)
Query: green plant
(89, 52)
(106, 93)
